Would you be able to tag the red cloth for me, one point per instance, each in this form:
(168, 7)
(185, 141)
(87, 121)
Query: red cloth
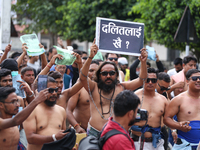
(118, 141)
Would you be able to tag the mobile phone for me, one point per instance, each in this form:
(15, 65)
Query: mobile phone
(42, 82)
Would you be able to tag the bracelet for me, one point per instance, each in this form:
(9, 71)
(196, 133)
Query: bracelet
(31, 94)
(54, 137)
(48, 66)
(76, 125)
(174, 130)
(142, 78)
(90, 57)
(83, 74)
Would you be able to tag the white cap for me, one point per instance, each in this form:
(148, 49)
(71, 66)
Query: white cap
(122, 60)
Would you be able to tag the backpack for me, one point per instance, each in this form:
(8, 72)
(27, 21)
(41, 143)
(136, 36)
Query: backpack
(96, 143)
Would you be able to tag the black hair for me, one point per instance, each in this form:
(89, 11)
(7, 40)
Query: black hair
(51, 49)
(96, 79)
(178, 61)
(106, 55)
(190, 72)
(152, 70)
(124, 102)
(23, 71)
(148, 63)
(84, 52)
(75, 46)
(187, 59)
(95, 62)
(15, 54)
(55, 74)
(164, 76)
(51, 79)
(4, 72)
(77, 51)
(5, 92)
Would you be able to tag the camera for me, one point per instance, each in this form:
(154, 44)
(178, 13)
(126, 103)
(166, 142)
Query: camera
(142, 114)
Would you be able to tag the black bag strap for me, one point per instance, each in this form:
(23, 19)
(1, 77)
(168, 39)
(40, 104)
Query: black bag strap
(109, 134)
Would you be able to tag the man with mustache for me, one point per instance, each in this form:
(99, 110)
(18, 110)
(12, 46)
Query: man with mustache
(105, 88)
(47, 122)
(9, 106)
(186, 107)
(28, 75)
(155, 104)
(189, 62)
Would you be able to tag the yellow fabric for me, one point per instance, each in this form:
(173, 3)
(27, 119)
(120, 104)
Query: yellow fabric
(127, 76)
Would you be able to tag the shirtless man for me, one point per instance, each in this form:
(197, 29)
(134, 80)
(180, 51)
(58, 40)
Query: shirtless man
(9, 105)
(63, 96)
(186, 106)
(189, 62)
(155, 104)
(49, 126)
(78, 108)
(105, 88)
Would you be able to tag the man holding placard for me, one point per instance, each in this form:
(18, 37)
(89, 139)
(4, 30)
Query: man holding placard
(105, 88)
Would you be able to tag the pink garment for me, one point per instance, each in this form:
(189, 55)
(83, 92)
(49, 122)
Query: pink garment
(178, 77)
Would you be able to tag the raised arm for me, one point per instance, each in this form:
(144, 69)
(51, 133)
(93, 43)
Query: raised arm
(4, 56)
(159, 64)
(133, 67)
(84, 71)
(21, 116)
(21, 57)
(43, 58)
(136, 83)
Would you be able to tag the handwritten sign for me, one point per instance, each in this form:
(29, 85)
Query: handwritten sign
(117, 36)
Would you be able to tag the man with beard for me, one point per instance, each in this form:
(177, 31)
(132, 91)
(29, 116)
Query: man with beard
(78, 107)
(155, 104)
(9, 106)
(105, 88)
(125, 110)
(49, 126)
(63, 96)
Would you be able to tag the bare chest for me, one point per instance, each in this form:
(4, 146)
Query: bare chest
(84, 98)
(9, 138)
(49, 120)
(190, 109)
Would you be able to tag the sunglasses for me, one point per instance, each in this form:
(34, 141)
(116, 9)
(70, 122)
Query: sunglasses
(84, 58)
(153, 80)
(105, 73)
(194, 78)
(162, 88)
(51, 90)
(111, 58)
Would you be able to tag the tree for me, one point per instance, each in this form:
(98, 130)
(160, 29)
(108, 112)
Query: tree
(41, 13)
(79, 16)
(162, 18)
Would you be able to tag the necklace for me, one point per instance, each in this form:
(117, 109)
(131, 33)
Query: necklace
(111, 102)
(102, 116)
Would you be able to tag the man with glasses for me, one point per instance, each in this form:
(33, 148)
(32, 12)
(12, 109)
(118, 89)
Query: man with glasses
(9, 106)
(155, 104)
(114, 58)
(105, 88)
(186, 106)
(47, 122)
